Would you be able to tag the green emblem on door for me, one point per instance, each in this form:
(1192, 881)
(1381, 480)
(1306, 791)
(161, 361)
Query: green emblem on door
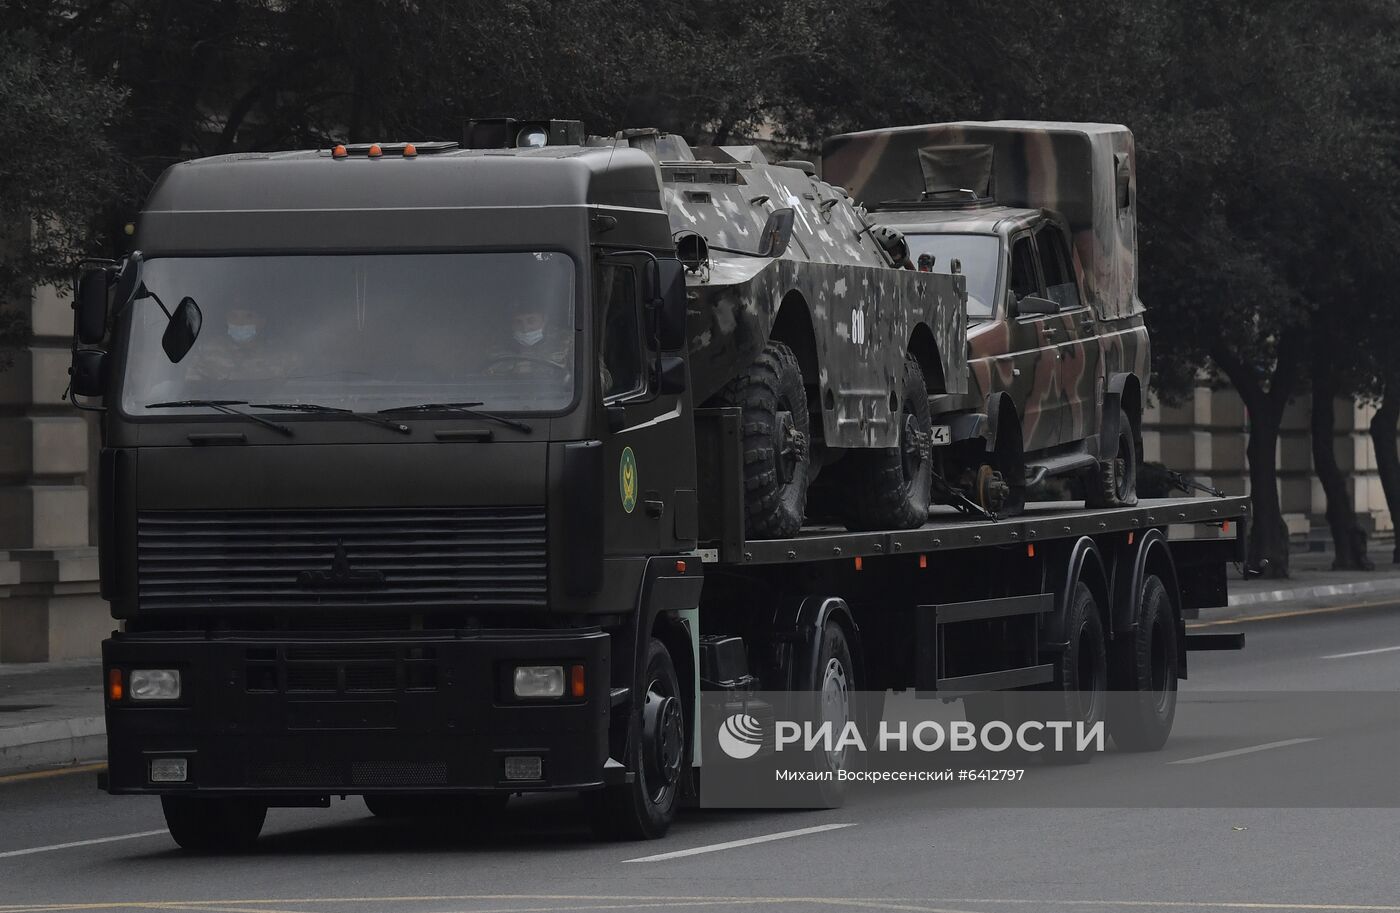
(627, 479)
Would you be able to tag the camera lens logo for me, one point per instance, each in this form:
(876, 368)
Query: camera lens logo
(741, 736)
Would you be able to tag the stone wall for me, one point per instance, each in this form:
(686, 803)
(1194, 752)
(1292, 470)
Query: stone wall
(1205, 437)
(49, 603)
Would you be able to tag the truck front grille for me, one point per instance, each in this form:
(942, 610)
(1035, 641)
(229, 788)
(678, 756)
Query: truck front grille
(471, 557)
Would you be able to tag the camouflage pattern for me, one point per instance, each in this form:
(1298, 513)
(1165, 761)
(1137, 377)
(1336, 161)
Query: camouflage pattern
(217, 357)
(1076, 180)
(863, 312)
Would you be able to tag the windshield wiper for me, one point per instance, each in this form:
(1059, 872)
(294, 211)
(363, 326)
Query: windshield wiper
(225, 406)
(465, 409)
(319, 409)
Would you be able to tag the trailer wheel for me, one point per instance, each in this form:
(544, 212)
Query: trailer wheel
(1079, 692)
(888, 487)
(777, 442)
(1143, 673)
(1114, 482)
(213, 825)
(836, 692)
(658, 749)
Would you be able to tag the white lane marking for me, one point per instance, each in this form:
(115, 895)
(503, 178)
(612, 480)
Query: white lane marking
(65, 846)
(1361, 653)
(747, 841)
(1239, 751)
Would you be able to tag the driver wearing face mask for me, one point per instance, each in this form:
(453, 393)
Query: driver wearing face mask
(537, 346)
(241, 352)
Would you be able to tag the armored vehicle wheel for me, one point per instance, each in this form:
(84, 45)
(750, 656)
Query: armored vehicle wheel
(777, 454)
(213, 825)
(657, 754)
(1114, 483)
(1143, 672)
(889, 487)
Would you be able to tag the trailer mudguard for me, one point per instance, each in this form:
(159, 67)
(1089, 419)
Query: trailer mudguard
(1152, 555)
(801, 627)
(1083, 561)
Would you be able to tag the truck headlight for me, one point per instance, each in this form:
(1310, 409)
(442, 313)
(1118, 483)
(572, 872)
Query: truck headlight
(539, 681)
(153, 684)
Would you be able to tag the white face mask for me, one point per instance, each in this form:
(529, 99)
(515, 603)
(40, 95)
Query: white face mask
(529, 338)
(243, 332)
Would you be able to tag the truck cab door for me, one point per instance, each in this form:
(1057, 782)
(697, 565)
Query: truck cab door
(650, 502)
(1075, 333)
(1035, 381)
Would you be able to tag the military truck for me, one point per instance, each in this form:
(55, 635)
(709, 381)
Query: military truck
(363, 536)
(1041, 219)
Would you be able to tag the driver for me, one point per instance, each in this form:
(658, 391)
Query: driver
(242, 352)
(535, 342)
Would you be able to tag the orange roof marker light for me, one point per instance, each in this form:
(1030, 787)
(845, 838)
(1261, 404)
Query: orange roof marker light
(375, 151)
(340, 152)
(410, 151)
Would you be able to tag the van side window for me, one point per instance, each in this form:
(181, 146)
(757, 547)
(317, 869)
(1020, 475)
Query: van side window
(620, 371)
(1023, 278)
(1055, 262)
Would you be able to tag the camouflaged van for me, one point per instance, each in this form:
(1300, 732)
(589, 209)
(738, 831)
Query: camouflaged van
(1041, 220)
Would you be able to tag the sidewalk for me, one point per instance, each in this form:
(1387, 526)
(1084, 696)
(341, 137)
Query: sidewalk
(51, 713)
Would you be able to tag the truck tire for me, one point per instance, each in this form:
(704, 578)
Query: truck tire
(836, 691)
(1114, 482)
(213, 825)
(776, 442)
(658, 753)
(1143, 671)
(888, 487)
(1079, 692)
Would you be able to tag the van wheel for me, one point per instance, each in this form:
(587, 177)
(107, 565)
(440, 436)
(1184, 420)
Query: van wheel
(213, 825)
(658, 754)
(1143, 670)
(777, 442)
(1114, 482)
(888, 487)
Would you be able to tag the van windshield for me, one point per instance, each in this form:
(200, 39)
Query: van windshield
(361, 332)
(981, 264)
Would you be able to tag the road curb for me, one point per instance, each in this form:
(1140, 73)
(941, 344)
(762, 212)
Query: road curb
(52, 743)
(1272, 597)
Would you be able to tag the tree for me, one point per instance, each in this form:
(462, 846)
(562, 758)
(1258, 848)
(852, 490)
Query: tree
(56, 179)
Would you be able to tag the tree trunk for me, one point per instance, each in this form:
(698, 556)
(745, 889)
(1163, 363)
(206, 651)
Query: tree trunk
(1383, 431)
(1348, 538)
(1268, 534)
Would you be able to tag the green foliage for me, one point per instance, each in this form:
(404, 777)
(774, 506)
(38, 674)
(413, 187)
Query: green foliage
(56, 175)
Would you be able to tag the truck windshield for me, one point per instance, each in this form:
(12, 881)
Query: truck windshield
(981, 263)
(361, 332)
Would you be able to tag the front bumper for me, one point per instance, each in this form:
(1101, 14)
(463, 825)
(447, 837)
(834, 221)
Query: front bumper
(326, 714)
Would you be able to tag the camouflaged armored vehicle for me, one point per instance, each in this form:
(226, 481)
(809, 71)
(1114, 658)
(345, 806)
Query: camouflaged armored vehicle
(828, 346)
(1041, 219)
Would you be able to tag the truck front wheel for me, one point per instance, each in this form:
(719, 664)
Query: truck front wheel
(213, 825)
(658, 755)
(777, 439)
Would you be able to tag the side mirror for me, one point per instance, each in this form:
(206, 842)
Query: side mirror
(777, 233)
(182, 330)
(670, 374)
(1034, 304)
(129, 286)
(670, 319)
(88, 375)
(90, 307)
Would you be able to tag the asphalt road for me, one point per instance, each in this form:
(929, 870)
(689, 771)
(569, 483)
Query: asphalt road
(1231, 830)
